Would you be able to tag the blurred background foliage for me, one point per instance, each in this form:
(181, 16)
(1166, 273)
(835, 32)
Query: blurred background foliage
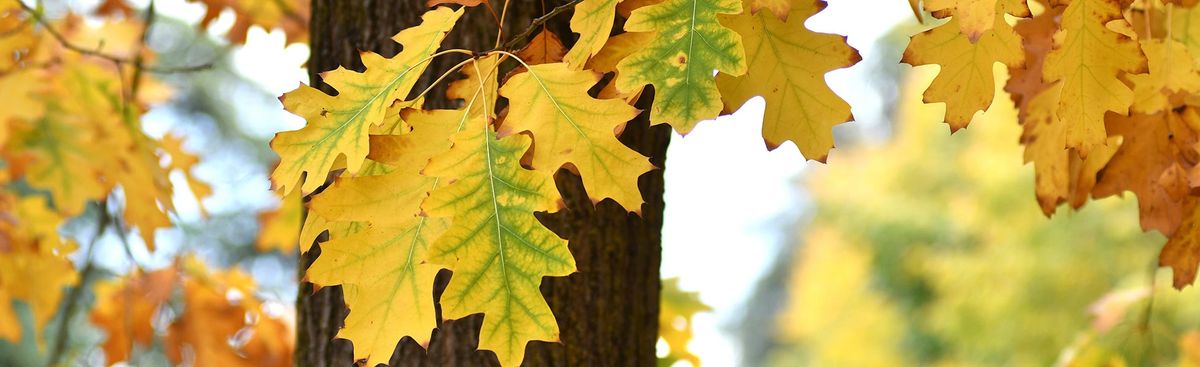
(930, 250)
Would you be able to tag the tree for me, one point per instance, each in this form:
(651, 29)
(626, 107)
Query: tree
(608, 311)
(441, 175)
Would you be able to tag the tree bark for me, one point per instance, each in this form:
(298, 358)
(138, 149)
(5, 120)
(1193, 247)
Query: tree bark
(607, 311)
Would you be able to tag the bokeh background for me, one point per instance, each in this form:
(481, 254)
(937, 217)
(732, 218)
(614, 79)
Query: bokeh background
(912, 246)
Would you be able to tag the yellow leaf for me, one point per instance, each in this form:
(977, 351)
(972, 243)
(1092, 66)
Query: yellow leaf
(39, 280)
(1172, 70)
(675, 321)
(497, 249)
(387, 282)
(338, 126)
(593, 21)
(605, 61)
(53, 153)
(19, 90)
(1061, 175)
(976, 17)
(281, 227)
(780, 8)
(1087, 59)
(184, 162)
(965, 82)
(551, 101)
(395, 196)
(787, 66)
(388, 286)
(10, 325)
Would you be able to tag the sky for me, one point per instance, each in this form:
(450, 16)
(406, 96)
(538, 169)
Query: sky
(729, 202)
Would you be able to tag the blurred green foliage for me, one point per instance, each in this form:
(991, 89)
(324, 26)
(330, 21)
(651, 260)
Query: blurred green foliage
(931, 250)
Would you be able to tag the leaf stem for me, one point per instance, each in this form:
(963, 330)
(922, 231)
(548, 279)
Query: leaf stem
(449, 71)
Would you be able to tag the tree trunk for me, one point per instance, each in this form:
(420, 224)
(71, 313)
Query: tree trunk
(607, 311)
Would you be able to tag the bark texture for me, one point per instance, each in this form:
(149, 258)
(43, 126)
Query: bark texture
(607, 311)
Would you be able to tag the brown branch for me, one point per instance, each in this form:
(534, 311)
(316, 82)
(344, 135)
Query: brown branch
(62, 40)
(289, 12)
(512, 43)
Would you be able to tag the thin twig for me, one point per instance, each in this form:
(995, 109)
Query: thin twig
(535, 25)
(289, 12)
(37, 16)
(76, 293)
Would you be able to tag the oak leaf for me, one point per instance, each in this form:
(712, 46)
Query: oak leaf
(338, 125)
(605, 61)
(543, 48)
(125, 310)
(965, 82)
(976, 17)
(1061, 175)
(1088, 58)
(280, 227)
(688, 44)
(1182, 251)
(1172, 70)
(787, 64)
(1154, 145)
(497, 249)
(551, 101)
(593, 21)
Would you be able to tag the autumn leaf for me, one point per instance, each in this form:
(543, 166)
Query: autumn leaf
(543, 48)
(1152, 146)
(965, 83)
(787, 66)
(388, 286)
(280, 228)
(52, 153)
(1088, 58)
(37, 279)
(605, 61)
(688, 44)
(126, 307)
(20, 91)
(976, 17)
(1037, 39)
(675, 321)
(1172, 70)
(1061, 175)
(779, 8)
(593, 21)
(184, 162)
(551, 101)
(496, 248)
(466, 3)
(338, 125)
(290, 15)
(1182, 251)
(395, 196)
(211, 318)
(10, 325)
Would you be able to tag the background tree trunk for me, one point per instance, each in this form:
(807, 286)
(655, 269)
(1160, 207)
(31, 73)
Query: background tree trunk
(607, 311)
